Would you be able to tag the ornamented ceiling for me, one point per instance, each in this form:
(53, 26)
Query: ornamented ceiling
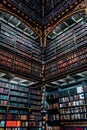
(42, 11)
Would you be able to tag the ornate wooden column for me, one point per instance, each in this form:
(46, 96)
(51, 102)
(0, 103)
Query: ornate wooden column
(43, 87)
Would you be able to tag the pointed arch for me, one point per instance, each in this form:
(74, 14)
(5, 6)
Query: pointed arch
(49, 29)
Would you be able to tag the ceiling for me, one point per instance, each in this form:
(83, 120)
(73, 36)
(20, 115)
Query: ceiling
(67, 81)
(22, 27)
(61, 83)
(42, 11)
(12, 78)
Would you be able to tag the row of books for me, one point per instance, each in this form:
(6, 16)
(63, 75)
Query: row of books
(20, 94)
(2, 123)
(52, 117)
(21, 65)
(31, 117)
(85, 87)
(16, 124)
(3, 102)
(72, 98)
(35, 92)
(38, 118)
(80, 109)
(61, 66)
(3, 97)
(7, 28)
(36, 97)
(65, 93)
(14, 40)
(18, 35)
(4, 84)
(52, 96)
(21, 128)
(2, 110)
(65, 117)
(78, 116)
(64, 64)
(35, 102)
(6, 59)
(25, 124)
(13, 104)
(13, 124)
(72, 91)
(35, 107)
(72, 104)
(20, 100)
(14, 111)
(36, 113)
(4, 90)
(4, 42)
(36, 69)
(72, 33)
(51, 69)
(53, 106)
(2, 116)
(32, 124)
(17, 111)
(19, 88)
(65, 111)
(16, 117)
(53, 128)
(73, 127)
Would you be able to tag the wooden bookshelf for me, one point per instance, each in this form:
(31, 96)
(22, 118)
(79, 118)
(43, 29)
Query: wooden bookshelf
(18, 52)
(52, 107)
(67, 52)
(35, 105)
(14, 106)
(69, 107)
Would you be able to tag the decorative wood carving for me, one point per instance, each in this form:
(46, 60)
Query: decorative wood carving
(80, 7)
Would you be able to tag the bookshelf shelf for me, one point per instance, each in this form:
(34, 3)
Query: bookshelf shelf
(18, 52)
(67, 51)
(14, 110)
(71, 106)
(52, 116)
(35, 108)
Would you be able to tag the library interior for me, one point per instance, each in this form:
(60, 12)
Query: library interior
(43, 65)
